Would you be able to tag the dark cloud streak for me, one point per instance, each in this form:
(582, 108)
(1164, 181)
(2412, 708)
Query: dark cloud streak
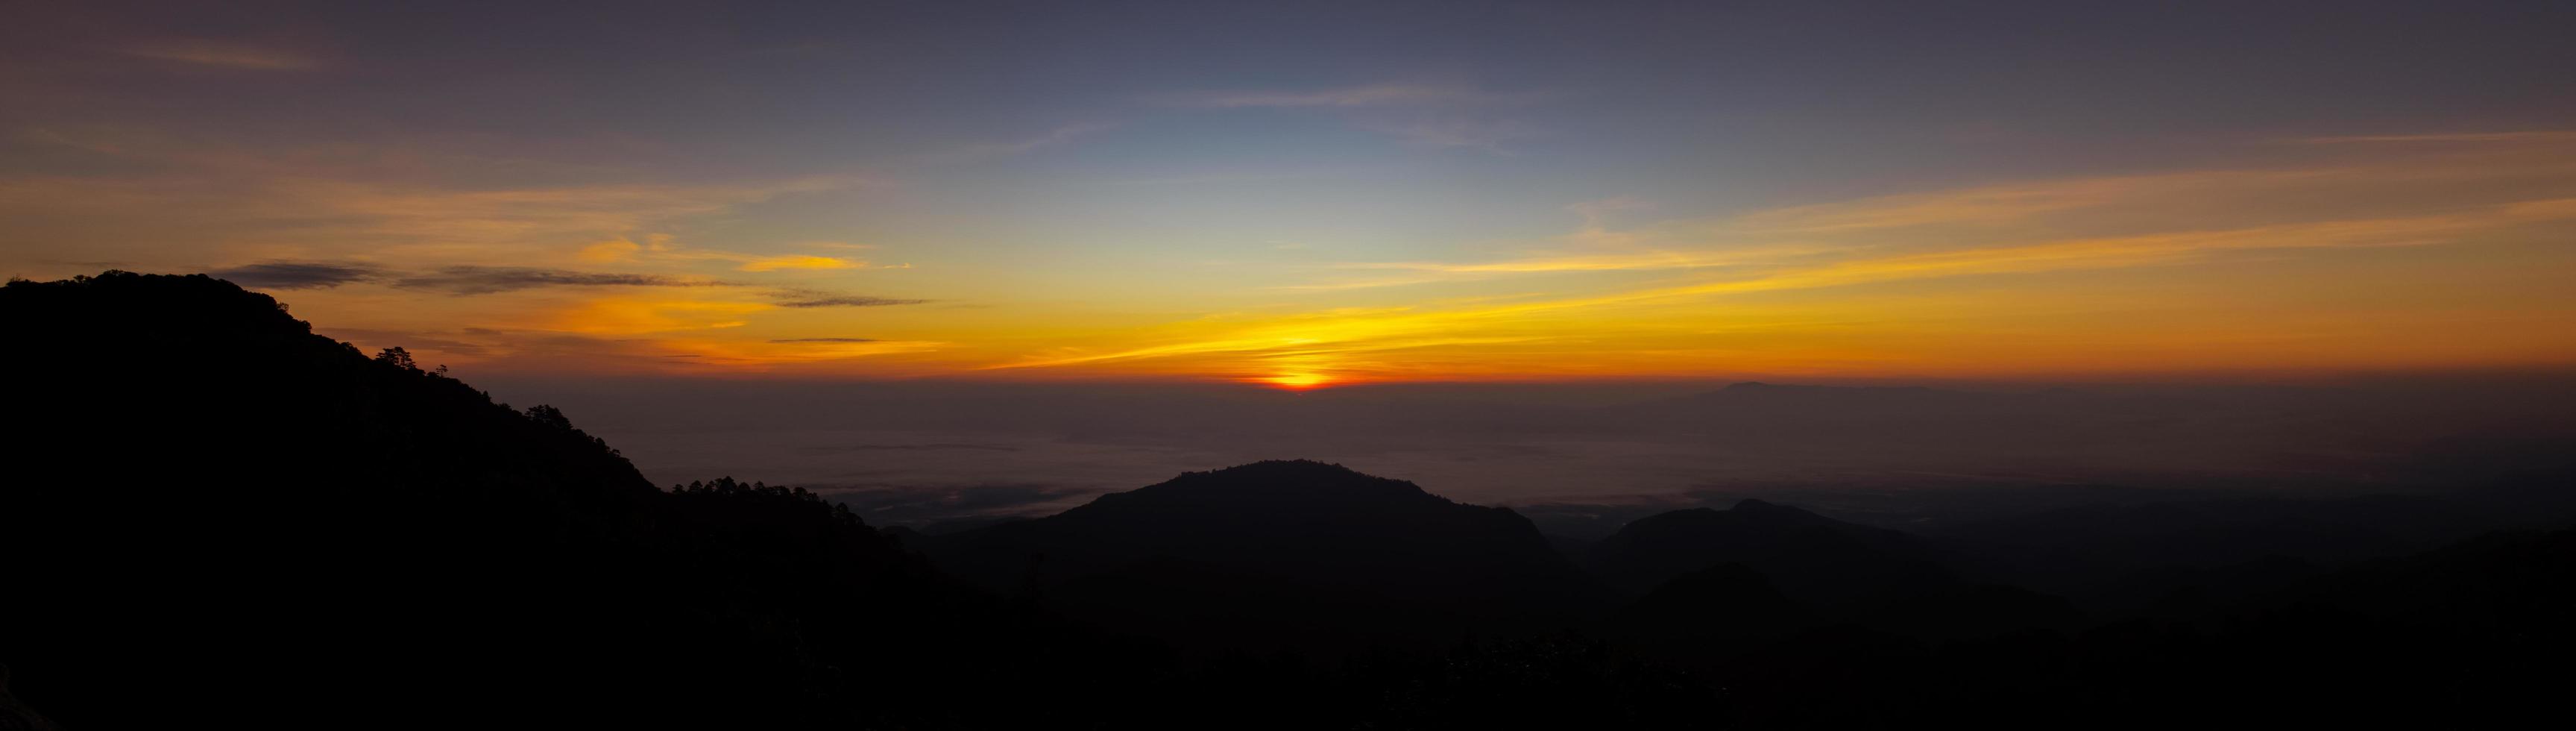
(470, 280)
(297, 274)
(806, 300)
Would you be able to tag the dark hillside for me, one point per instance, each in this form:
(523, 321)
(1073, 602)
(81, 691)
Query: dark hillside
(212, 507)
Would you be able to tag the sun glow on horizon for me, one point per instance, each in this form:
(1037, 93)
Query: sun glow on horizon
(1273, 222)
(1298, 381)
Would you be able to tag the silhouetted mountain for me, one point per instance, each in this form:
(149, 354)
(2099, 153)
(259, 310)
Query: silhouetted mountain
(1697, 613)
(1837, 571)
(1814, 559)
(209, 507)
(2423, 436)
(1282, 553)
(2470, 636)
(2125, 558)
(16, 716)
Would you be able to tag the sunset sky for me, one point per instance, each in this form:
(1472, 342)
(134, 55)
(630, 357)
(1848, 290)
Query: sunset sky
(1322, 193)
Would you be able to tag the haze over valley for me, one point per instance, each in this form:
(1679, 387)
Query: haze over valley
(1582, 458)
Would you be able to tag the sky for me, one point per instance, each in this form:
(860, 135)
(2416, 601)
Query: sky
(1305, 195)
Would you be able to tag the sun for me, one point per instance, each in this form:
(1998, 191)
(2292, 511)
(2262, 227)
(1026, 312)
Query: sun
(1296, 381)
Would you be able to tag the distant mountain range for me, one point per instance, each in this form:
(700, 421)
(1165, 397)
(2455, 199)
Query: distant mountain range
(1261, 553)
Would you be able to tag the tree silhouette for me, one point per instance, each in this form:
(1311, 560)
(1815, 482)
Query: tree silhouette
(398, 358)
(550, 416)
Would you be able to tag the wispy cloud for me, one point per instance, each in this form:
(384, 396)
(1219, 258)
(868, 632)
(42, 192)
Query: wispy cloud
(622, 249)
(223, 55)
(645, 314)
(823, 340)
(326, 200)
(1606, 261)
(1372, 95)
(2144, 250)
(755, 354)
(798, 261)
(321, 215)
(1426, 115)
(993, 150)
(1489, 136)
(2520, 136)
(1596, 213)
(2230, 209)
(1687, 272)
(812, 300)
(523, 214)
(666, 249)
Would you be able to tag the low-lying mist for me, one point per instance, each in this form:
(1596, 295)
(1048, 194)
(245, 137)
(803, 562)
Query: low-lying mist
(1581, 459)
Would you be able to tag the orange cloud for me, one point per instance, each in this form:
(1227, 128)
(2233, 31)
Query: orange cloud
(663, 247)
(611, 250)
(798, 261)
(766, 353)
(631, 316)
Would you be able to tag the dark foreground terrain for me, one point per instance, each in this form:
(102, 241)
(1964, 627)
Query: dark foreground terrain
(213, 517)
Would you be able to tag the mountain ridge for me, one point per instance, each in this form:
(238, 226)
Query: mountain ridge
(371, 535)
(1347, 549)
